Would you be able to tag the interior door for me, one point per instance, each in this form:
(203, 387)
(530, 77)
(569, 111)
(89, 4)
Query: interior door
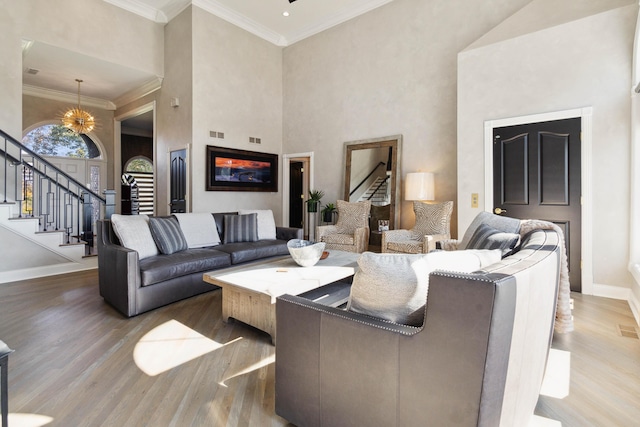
(536, 174)
(296, 193)
(178, 180)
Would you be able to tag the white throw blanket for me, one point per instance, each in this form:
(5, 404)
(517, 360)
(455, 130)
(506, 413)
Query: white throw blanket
(199, 229)
(564, 320)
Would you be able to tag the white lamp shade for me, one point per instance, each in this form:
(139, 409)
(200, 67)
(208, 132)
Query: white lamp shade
(419, 186)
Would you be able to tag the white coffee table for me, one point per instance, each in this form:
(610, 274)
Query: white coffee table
(249, 291)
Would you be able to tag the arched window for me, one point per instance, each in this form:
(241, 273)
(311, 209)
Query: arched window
(139, 164)
(57, 140)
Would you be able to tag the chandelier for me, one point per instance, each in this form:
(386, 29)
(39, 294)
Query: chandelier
(77, 119)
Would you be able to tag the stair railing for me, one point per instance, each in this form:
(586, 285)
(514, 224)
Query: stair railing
(44, 191)
(382, 183)
(366, 177)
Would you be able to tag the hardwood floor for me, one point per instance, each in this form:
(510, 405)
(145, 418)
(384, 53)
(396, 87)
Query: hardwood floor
(80, 363)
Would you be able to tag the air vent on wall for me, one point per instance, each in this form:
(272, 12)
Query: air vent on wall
(215, 134)
(254, 140)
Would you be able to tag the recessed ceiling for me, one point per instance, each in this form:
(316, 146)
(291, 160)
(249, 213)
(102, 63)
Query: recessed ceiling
(263, 18)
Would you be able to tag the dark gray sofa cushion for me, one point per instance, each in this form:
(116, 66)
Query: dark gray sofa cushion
(164, 267)
(250, 251)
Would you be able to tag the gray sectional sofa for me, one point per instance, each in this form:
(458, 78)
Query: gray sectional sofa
(133, 285)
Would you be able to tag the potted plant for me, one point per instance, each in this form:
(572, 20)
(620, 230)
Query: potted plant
(314, 200)
(327, 212)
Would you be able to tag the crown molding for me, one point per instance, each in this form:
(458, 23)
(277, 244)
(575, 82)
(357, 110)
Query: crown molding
(335, 19)
(142, 9)
(216, 8)
(71, 98)
(223, 12)
(137, 93)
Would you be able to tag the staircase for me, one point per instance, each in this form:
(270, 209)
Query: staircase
(46, 217)
(27, 252)
(377, 192)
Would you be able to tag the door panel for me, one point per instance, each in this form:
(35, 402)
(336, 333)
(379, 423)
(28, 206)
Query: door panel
(514, 162)
(554, 169)
(178, 181)
(537, 175)
(295, 195)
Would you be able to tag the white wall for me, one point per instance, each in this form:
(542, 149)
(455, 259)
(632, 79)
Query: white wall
(391, 71)
(237, 89)
(581, 63)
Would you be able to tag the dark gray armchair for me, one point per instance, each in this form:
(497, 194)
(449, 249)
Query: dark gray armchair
(478, 359)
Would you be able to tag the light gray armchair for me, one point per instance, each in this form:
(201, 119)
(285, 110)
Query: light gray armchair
(433, 223)
(351, 232)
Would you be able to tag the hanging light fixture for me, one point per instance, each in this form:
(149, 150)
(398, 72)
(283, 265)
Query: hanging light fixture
(77, 119)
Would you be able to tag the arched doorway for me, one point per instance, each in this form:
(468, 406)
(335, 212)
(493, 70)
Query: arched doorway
(141, 169)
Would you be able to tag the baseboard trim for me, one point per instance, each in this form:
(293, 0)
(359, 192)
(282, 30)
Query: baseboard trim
(51, 270)
(609, 291)
(617, 292)
(635, 307)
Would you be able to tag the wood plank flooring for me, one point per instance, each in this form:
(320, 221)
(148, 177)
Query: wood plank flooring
(80, 363)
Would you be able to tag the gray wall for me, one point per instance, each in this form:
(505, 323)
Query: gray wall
(390, 71)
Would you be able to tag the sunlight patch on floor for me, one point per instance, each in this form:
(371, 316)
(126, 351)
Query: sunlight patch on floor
(259, 364)
(27, 420)
(170, 345)
(557, 375)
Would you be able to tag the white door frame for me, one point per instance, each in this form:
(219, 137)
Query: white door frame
(286, 162)
(586, 116)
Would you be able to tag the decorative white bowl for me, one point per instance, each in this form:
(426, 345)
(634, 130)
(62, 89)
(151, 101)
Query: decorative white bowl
(305, 252)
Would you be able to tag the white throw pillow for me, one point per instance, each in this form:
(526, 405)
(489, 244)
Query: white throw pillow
(394, 287)
(199, 229)
(134, 233)
(266, 223)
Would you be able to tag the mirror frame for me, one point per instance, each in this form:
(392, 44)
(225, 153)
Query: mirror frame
(394, 142)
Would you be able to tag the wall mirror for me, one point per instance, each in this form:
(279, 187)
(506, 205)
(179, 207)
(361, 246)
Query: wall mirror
(371, 173)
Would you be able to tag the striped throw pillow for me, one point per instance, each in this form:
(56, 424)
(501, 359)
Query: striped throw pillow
(167, 234)
(487, 237)
(241, 228)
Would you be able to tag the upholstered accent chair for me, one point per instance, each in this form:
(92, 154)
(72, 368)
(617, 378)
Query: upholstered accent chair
(351, 231)
(433, 223)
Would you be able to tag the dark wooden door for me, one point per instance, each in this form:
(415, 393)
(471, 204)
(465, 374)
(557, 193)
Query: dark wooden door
(178, 181)
(295, 194)
(536, 175)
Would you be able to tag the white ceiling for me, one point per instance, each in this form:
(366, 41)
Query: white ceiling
(107, 85)
(262, 17)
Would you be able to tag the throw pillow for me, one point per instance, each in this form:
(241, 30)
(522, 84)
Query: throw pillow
(394, 287)
(134, 233)
(266, 223)
(167, 234)
(352, 216)
(432, 218)
(241, 228)
(199, 229)
(487, 237)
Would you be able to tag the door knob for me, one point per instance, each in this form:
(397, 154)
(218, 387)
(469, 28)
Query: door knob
(499, 211)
